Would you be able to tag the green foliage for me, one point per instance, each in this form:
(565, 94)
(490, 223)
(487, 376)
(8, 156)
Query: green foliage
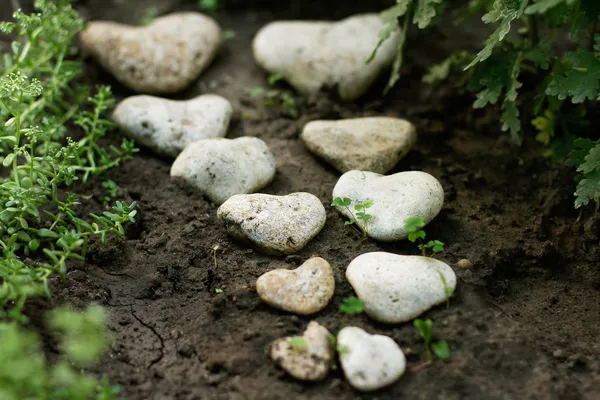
(150, 15)
(209, 5)
(359, 214)
(586, 158)
(298, 343)
(276, 98)
(352, 306)
(440, 348)
(25, 373)
(111, 190)
(413, 225)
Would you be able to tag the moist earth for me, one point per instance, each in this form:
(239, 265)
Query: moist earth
(523, 323)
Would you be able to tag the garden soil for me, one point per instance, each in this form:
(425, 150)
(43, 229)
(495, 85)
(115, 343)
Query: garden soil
(524, 323)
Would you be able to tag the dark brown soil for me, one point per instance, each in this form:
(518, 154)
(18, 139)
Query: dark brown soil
(524, 323)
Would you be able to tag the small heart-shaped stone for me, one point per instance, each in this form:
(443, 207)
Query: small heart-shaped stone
(163, 57)
(395, 198)
(273, 224)
(398, 288)
(168, 126)
(221, 168)
(370, 362)
(307, 357)
(372, 144)
(305, 290)
(312, 55)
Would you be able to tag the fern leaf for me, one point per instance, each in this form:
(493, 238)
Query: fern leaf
(541, 6)
(425, 12)
(588, 190)
(581, 81)
(390, 20)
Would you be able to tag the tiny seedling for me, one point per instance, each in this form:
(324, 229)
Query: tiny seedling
(439, 348)
(214, 253)
(352, 305)
(413, 225)
(149, 16)
(111, 190)
(218, 291)
(274, 97)
(228, 34)
(209, 5)
(448, 291)
(298, 343)
(360, 215)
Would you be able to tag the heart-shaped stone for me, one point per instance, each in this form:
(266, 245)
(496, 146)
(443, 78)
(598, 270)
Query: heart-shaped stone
(307, 357)
(395, 198)
(305, 290)
(164, 57)
(398, 288)
(370, 362)
(372, 144)
(273, 224)
(168, 126)
(221, 168)
(312, 55)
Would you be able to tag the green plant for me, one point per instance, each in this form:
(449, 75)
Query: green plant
(25, 373)
(209, 5)
(448, 291)
(566, 83)
(111, 190)
(439, 348)
(360, 215)
(413, 225)
(276, 98)
(218, 291)
(352, 306)
(149, 16)
(298, 343)
(39, 217)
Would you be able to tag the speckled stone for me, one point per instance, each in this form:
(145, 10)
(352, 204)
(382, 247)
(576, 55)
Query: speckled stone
(310, 362)
(221, 168)
(305, 290)
(312, 55)
(372, 144)
(370, 362)
(163, 57)
(395, 198)
(273, 224)
(397, 288)
(168, 126)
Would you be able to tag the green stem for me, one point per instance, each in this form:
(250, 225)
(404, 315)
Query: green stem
(17, 140)
(532, 29)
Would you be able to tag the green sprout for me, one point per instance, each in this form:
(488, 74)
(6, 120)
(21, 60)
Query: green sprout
(111, 189)
(276, 98)
(298, 343)
(360, 215)
(218, 291)
(149, 16)
(439, 348)
(209, 5)
(352, 306)
(413, 225)
(448, 291)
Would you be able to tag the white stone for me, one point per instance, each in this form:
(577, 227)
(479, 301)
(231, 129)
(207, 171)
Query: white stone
(370, 362)
(168, 126)
(372, 144)
(311, 357)
(305, 290)
(397, 288)
(274, 224)
(163, 57)
(395, 198)
(221, 168)
(312, 55)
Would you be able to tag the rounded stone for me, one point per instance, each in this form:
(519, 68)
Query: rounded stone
(370, 362)
(395, 198)
(464, 264)
(168, 126)
(374, 144)
(273, 224)
(397, 288)
(163, 57)
(312, 55)
(307, 357)
(305, 290)
(221, 168)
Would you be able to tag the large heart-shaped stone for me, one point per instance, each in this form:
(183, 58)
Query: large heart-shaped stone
(370, 362)
(372, 144)
(164, 57)
(221, 168)
(168, 126)
(397, 288)
(312, 55)
(274, 224)
(305, 290)
(395, 198)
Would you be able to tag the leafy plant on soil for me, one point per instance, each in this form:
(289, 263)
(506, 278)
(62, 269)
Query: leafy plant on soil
(414, 225)
(448, 291)
(26, 374)
(276, 98)
(567, 83)
(439, 348)
(352, 306)
(40, 230)
(111, 190)
(360, 215)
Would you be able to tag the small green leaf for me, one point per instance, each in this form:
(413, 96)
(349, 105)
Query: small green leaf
(441, 349)
(352, 305)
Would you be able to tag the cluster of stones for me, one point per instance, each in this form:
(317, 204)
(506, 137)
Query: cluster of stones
(170, 54)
